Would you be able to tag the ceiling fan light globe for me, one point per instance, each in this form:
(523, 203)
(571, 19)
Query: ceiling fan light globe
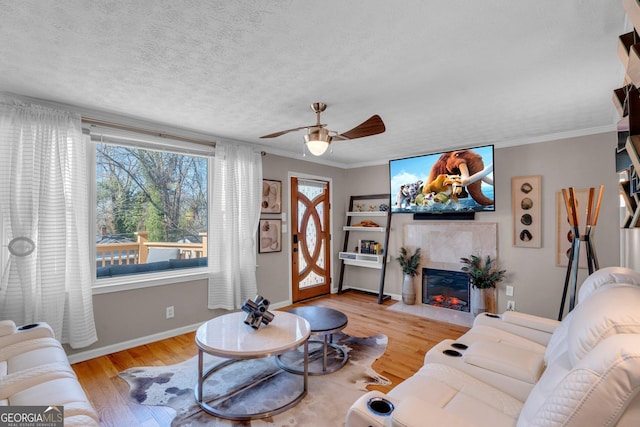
(317, 142)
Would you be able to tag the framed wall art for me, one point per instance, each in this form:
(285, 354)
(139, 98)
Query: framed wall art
(270, 235)
(526, 202)
(271, 196)
(564, 232)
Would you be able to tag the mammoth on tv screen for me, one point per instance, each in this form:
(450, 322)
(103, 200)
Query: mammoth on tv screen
(458, 181)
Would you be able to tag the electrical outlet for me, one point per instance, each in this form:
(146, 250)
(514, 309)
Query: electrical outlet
(511, 305)
(170, 312)
(509, 291)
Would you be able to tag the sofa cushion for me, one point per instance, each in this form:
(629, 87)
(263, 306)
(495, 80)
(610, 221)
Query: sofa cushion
(609, 312)
(162, 254)
(188, 262)
(607, 276)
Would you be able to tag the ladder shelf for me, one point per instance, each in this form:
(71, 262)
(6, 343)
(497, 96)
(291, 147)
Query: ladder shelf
(367, 260)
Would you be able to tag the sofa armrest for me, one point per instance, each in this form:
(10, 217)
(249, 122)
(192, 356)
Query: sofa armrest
(7, 327)
(530, 321)
(534, 328)
(411, 412)
(505, 359)
(359, 415)
(27, 332)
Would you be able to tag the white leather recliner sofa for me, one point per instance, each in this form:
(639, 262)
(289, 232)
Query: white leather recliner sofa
(522, 370)
(35, 371)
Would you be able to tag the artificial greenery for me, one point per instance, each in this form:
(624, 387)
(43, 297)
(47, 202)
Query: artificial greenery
(409, 263)
(482, 274)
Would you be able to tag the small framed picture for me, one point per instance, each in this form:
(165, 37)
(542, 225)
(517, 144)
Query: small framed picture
(527, 218)
(271, 196)
(270, 235)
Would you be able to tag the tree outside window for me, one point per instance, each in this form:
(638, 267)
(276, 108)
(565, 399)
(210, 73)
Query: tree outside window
(155, 199)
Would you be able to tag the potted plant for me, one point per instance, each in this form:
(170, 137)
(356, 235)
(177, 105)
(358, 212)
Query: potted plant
(484, 274)
(409, 263)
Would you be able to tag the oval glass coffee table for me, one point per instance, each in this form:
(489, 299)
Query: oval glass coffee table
(324, 322)
(229, 337)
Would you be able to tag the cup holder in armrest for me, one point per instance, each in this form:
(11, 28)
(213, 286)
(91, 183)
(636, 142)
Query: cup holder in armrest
(459, 346)
(27, 327)
(452, 353)
(380, 406)
(492, 315)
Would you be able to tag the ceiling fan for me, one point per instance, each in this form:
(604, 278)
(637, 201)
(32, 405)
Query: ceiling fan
(318, 137)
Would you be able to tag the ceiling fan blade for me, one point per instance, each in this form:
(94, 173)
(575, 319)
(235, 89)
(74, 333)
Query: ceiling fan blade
(282, 132)
(372, 126)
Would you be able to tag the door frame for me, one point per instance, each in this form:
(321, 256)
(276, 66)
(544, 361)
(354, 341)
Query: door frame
(301, 175)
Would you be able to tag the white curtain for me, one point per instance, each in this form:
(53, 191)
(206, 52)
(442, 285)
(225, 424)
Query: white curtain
(44, 201)
(234, 214)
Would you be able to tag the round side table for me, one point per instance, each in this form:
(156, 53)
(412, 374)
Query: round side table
(324, 322)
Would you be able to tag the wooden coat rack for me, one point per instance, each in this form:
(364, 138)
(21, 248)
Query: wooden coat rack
(571, 278)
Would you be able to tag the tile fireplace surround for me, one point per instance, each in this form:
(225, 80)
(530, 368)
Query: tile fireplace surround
(442, 245)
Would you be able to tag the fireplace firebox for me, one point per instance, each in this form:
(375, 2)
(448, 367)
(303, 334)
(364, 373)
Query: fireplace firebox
(446, 288)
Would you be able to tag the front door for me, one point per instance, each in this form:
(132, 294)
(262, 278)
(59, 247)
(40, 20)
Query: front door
(310, 238)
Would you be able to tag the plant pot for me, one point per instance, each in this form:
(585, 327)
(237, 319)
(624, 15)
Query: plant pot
(408, 290)
(483, 300)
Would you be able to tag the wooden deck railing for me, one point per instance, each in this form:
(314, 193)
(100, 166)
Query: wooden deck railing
(137, 252)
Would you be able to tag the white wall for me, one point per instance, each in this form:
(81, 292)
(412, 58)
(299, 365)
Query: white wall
(581, 162)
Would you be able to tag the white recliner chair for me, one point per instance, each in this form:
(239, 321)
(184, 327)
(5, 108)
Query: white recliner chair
(508, 351)
(35, 371)
(586, 374)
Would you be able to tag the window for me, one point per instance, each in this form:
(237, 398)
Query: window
(151, 206)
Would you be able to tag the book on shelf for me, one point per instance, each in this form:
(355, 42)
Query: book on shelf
(369, 247)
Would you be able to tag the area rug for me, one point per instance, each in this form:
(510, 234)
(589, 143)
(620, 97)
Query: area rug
(260, 381)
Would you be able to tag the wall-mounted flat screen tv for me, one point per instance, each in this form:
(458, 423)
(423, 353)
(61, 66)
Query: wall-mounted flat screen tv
(458, 181)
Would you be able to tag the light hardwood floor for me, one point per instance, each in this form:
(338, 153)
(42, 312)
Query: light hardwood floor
(409, 339)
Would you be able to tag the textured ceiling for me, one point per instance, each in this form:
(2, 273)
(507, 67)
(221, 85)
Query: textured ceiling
(441, 74)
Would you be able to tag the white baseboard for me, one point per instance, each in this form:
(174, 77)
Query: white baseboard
(103, 351)
(113, 348)
(395, 297)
